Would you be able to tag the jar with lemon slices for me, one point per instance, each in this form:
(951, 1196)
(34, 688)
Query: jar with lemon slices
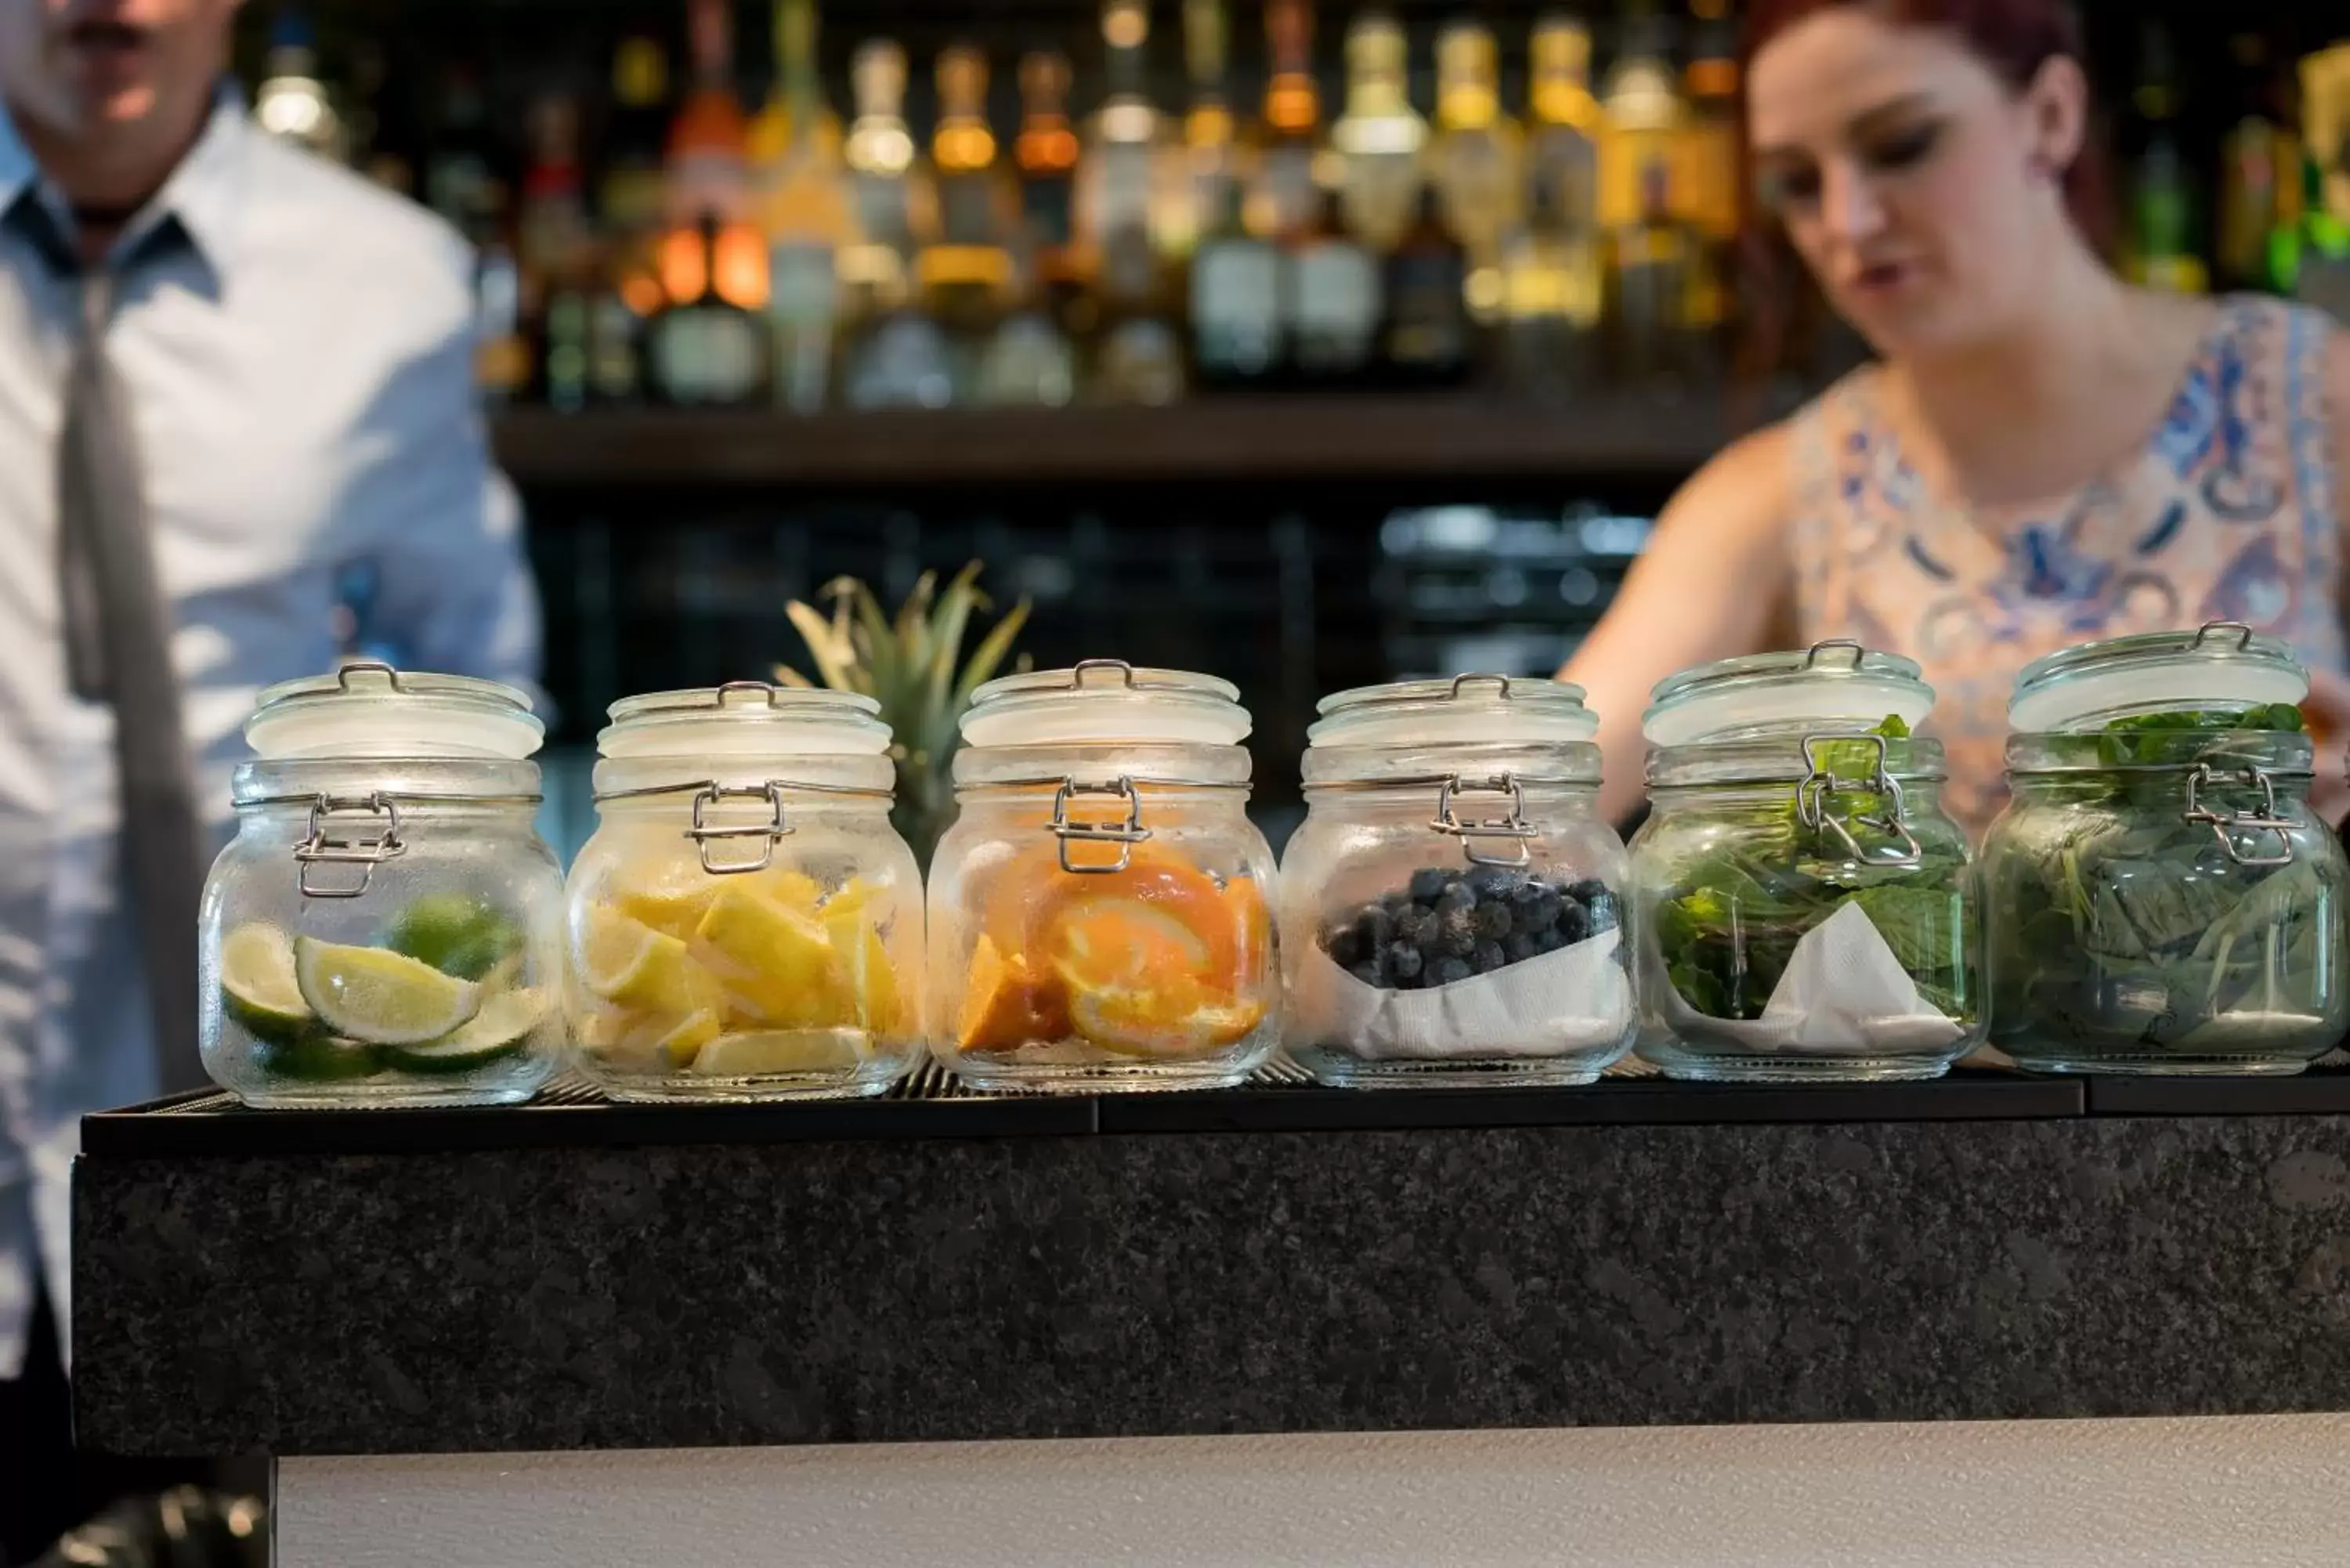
(746, 924)
(1101, 911)
(386, 928)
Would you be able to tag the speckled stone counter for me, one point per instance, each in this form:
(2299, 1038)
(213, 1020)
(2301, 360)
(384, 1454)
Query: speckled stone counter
(1286, 1260)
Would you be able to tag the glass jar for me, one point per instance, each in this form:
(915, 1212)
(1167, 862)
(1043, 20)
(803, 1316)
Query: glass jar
(1450, 910)
(1101, 912)
(385, 929)
(1805, 907)
(2160, 897)
(746, 924)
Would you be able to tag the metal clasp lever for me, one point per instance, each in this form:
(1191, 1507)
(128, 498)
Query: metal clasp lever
(1820, 783)
(2221, 822)
(769, 833)
(1124, 835)
(325, 847)
(1512, 827)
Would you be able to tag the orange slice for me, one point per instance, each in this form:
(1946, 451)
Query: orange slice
(1004, 1006)
(1172, 1019)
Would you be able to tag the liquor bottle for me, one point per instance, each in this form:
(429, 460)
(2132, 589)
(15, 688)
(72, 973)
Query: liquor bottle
(460, 179)
(1288, 202)
(1654, 299)
(554, 249)
(1044, 154)
(2162, 252)
(1552, 276)
(1381, 136)
(964, 266)
(1647, 252)
(1211, 152)
(1139, 358)
(1331, 301)
(2325, 127)
(708, 168)
(292, 103)
(501, 355)
(1478, 158)
(631, 195)
(705, 350)
(2311, 255)
(880, 154)
(1235, 299)
(1552, 291)
(1426, 339)
(2259, 160)
(1706, 178)
(801, 194)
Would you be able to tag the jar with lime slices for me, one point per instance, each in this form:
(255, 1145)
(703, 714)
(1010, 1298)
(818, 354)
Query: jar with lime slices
(746, 924)
(386, 928)
(1101, 911)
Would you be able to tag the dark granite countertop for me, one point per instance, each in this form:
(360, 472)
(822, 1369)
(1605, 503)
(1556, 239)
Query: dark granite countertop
(1282, 1258)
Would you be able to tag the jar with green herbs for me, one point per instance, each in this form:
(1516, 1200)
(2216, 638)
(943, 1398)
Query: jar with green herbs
(1805, 907)
(2161, 899)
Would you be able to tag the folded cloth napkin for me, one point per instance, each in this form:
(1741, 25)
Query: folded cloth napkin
(1567, 1002)
(1844, 995)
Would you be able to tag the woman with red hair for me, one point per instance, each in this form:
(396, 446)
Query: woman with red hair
(2041, 453)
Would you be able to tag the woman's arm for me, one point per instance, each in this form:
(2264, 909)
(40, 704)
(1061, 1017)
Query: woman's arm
(1712, 583)
(2329, 693)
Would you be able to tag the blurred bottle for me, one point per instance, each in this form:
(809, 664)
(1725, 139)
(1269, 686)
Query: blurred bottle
(1426, 340)
(633, 190)
(1138, 357)
(2311, 258)
(1288, 199)
(292, 104)
(1649, 253)
(965, 264)
(460, 182)
(1235, 300)
(1331, 301)
(556, 251)
(2162, 249)
(1706, 177)
(1380, 136)
(706, 349)
(1478, 158)
(1553, 271)
(898, 358)
(709, 171)
(1044, 154)
(1212, 150)
(2259, 160)
(802, 195)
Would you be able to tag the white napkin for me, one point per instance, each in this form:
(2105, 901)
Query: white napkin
(1844, 995)
(1571, 1000)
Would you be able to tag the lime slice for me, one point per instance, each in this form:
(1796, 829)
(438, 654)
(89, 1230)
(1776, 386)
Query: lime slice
(315, 1058)
(456, 933)
(257, 988)
(497, 1031)
(379, 997)
(759, 1053)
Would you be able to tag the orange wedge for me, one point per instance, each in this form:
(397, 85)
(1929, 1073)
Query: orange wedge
(1172, 1019)
(1004, 1006)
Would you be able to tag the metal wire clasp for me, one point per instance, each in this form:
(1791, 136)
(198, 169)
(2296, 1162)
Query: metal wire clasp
(2222, 823)
(1512, 827)
(326, 847)
(1124, 835)
(769, 833)
(1820, 783)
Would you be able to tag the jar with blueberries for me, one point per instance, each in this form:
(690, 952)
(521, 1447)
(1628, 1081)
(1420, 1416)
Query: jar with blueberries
(1452, 908)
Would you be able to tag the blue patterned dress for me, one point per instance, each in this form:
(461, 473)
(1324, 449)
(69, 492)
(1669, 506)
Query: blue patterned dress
(2229, 514)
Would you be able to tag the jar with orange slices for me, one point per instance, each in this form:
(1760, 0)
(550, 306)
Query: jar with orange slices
(746, 924)
(1452, 906)
(1101, 911)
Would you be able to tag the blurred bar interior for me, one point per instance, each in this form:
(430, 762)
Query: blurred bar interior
(1314, 345)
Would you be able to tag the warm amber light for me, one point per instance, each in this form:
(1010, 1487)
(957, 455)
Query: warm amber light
(1209, 125)
(684, 277)
(742, 266)
(1291, 104)
(1712, 78)
(641, 292)
(1046, 147)
(964, 145)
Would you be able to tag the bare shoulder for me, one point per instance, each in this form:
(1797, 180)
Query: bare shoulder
(1746, 489)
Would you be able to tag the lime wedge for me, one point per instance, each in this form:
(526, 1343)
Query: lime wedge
(379, 997)
(316, 1058)
(497, 1031)
(752, 1055)
(257, 988)
(455, 934)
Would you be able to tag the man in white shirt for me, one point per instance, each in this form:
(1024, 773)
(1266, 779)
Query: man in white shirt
(286, 354)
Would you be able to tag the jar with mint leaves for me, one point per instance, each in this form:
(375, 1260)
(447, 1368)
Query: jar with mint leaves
(2160, 897)
(1805, 908)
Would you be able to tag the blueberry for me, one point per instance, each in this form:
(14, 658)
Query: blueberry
(1414, 924)
(1491, 922)
(1582, 892)
(1373, 928)
(1455, 936)
(1574, 923)
(1602, 910)
(1395, 903)
(1368, 973)
(1404, 965)
(1488, 957)
(1550, 940)
(1491, 882)
(1345, 947)
(1428, 883)
(1518, 947)
(1457, 896)
(1452, 972)
(1540, 912)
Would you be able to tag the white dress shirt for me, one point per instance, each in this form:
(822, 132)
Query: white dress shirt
(297, 351)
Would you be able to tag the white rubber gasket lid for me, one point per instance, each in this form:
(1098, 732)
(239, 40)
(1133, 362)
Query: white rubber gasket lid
(2221, 665)
(1106, 702)
(745, 719)
(1465, 710)
(371, 710)
(1837, 685)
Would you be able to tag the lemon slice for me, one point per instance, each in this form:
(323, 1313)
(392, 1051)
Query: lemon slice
(379, 997)
(769, 1052)
(775, 964)
(629, 963)
(682, 1046)
(872, 982)
(257, 985)
(498, 1030)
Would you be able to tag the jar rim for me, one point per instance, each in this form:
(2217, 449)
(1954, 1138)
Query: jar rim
(2221, 664)
(1912, 759)
(1470, 709)
(1105, 702)
(369, 709)
(1834, 682)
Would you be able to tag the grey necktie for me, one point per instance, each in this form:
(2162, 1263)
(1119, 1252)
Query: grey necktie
(118, 637)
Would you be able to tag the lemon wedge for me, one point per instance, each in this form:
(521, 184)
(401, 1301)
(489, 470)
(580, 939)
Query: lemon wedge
(764, 1052)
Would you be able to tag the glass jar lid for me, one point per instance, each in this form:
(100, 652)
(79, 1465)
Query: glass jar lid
(745, 719)
(371, 710)
(1467, 710)
(2224, 665)
(1106, 701)
(1836, 685)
